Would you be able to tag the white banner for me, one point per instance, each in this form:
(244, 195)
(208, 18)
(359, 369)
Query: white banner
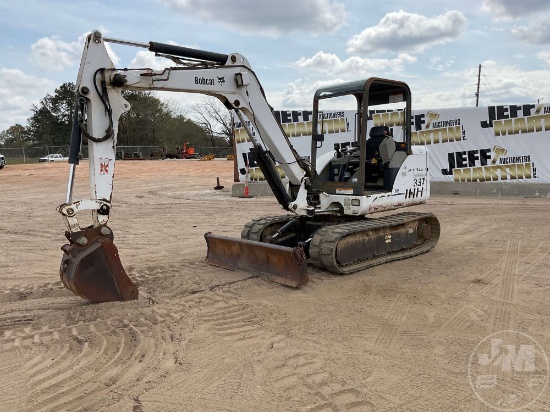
(496, 143)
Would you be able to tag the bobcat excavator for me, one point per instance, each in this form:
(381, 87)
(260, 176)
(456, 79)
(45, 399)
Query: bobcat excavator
(327, 199)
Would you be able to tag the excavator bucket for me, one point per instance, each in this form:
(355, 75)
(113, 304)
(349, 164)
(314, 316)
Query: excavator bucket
(276, 263)
(92, 269)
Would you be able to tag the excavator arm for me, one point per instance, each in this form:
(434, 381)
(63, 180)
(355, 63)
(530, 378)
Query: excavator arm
(91, 266)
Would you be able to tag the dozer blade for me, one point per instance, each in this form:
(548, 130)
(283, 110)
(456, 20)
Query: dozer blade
(276, 263)
(92, 269)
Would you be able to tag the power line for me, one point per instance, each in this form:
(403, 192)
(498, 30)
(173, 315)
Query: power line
(492, 89)
(478, 79)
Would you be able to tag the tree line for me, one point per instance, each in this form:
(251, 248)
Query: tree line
(150, 122)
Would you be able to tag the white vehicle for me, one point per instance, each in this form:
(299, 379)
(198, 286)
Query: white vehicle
(327, 204)
(56, 157)
(2, 161)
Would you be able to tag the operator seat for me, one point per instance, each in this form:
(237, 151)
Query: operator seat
(377, 135)
(374, 164)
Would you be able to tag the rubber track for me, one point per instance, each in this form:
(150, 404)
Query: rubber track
(253, 230)
(323, 245)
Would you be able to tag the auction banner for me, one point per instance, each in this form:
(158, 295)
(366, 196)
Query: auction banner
(507, 143)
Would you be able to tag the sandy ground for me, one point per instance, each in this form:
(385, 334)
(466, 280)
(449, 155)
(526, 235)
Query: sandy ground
(397, 337)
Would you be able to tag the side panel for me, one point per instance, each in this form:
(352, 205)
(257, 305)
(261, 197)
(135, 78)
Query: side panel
(412, 183)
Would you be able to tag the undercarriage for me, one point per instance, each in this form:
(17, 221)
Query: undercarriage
(344, 245)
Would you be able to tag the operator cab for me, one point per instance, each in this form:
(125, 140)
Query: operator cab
(370, 163)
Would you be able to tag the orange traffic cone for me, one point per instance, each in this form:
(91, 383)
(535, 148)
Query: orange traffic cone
(245, 193)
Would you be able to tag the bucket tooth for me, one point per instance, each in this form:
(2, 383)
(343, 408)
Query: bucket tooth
(92, 269)
(279, 264)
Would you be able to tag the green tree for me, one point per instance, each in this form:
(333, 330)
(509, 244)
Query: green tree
(51, 121)
(178, 128)
(141, 124)
(14, 136)
(153, 122)
(150, 122)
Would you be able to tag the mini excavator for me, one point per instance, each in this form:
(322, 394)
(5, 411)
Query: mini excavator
(328, 199)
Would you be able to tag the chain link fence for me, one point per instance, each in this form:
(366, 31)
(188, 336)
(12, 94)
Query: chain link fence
(31, 154)
(16, 155)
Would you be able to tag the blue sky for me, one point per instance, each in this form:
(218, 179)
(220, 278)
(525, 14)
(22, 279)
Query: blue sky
(294, 46)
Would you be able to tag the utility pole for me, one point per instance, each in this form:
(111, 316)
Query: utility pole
(478, 79)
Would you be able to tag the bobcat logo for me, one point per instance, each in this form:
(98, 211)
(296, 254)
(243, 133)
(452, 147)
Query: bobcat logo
(221, 81)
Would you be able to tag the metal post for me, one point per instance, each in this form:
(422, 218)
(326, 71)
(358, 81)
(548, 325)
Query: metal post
(478, 79)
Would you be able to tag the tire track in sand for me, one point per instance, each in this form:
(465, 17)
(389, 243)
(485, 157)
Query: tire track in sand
(91, 364)
(503, 313)
(232, 319)
(304, 374)
(487, 283)
(393, 322)
(13, 382)
(104, 361)
(499, 282)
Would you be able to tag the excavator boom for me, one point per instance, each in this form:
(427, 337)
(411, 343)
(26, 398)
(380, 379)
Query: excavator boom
(91, 266)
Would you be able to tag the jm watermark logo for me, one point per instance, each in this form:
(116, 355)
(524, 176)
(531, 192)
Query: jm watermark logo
(508, 370)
